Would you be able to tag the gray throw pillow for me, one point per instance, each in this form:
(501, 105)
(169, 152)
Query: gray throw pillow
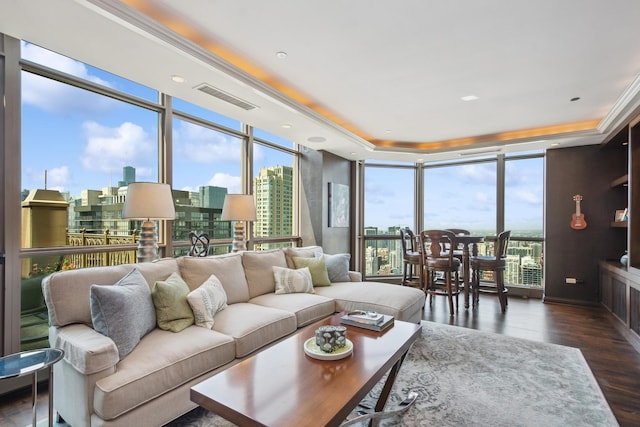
(338, 267)
(123, 311)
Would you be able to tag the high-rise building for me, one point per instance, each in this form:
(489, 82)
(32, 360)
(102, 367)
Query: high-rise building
(273, 192)
(128, 176)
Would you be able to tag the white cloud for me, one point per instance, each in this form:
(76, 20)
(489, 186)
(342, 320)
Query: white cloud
(109, 149)
(59, 177)
(56, 178)
(230, 182)
(480, 173)
(202, 145)
(526, 196)
(55, 97)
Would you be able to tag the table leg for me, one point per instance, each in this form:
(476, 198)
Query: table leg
(51, 396)
(34, 398)
(388, 385)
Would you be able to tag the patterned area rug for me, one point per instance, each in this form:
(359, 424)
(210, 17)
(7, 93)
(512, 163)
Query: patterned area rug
(464, 377)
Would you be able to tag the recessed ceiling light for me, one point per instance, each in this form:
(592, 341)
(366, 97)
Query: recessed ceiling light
(316, 139)
(286, 126)
(555, 144)
(469, 98)
(353, 153)
(281, 55)
(178, 79)
(575, 98)
(387, 131)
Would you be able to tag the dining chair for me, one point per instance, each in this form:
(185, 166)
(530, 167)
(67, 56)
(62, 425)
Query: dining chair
(497, 264)
(458, 250)
(411, 260)
(436, 258)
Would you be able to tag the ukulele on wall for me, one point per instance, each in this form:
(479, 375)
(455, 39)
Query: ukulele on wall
(577, 219)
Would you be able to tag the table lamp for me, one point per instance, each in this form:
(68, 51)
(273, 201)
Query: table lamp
(147, 201)
(238, 208)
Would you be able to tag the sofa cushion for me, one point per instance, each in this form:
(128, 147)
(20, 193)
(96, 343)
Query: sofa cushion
(337, 267)
(227, 268)
(307, 308)
(317, 268)
(67, 292)
(208, 299)
(290, 281)
(305, 251)
(257, 266)
(161, 362)
(402, 302)
(123, 311)
(173, 312)
(254, 326)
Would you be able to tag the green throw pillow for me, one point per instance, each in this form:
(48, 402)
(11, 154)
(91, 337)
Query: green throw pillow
(317, 268)
(123, 311)
(173, 312)
(290, 281)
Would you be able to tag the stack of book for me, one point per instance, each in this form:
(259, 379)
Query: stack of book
(367, 320)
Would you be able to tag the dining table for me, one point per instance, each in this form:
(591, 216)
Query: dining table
(469, 245)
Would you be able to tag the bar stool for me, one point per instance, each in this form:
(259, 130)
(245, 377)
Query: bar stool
(496, 263)
(410, 259)
(437, 259)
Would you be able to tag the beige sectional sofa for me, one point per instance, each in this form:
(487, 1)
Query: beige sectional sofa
(150, 385)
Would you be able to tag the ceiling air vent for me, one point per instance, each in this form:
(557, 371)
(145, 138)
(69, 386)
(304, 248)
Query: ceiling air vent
(224, 96)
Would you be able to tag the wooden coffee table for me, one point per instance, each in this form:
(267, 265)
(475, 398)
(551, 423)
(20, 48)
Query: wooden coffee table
(282, 386)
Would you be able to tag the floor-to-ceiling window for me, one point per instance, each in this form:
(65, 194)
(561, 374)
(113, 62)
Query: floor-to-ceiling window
(389, 204)
(274, 189)
(524, 216)
(206, 166)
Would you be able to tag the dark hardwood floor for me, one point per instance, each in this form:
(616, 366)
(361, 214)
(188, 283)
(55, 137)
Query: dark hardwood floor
(614, 362)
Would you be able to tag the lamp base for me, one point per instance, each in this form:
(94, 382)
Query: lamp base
(238, 243)
(148, 242)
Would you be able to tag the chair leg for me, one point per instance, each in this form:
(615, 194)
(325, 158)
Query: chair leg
(449, 292)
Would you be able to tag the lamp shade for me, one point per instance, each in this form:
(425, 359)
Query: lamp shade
(238, 207)
(148, 200)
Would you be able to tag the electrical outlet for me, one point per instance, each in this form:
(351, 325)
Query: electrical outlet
(570, 280)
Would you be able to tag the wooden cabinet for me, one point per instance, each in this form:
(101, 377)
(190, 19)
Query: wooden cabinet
(620, 284)
(620, 294)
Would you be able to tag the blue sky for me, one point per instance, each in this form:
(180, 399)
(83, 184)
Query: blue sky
(83, 140)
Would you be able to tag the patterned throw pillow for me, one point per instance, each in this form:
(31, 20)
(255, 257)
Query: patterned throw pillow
(205, 301)
(290, 281)
(317, 268)
(123, 311)
(173, 312)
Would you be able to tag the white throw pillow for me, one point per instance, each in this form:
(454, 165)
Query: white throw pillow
(290, 281)
(205, 301)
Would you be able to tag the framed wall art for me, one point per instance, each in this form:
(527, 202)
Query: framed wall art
(338, 205)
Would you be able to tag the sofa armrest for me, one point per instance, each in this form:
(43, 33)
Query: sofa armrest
(87, 350)
(355, 276)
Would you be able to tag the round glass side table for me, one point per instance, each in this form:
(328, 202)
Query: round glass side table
(30, 363)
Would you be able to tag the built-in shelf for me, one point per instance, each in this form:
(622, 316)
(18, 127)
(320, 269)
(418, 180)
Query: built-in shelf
(623, 180)
(620, 224)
